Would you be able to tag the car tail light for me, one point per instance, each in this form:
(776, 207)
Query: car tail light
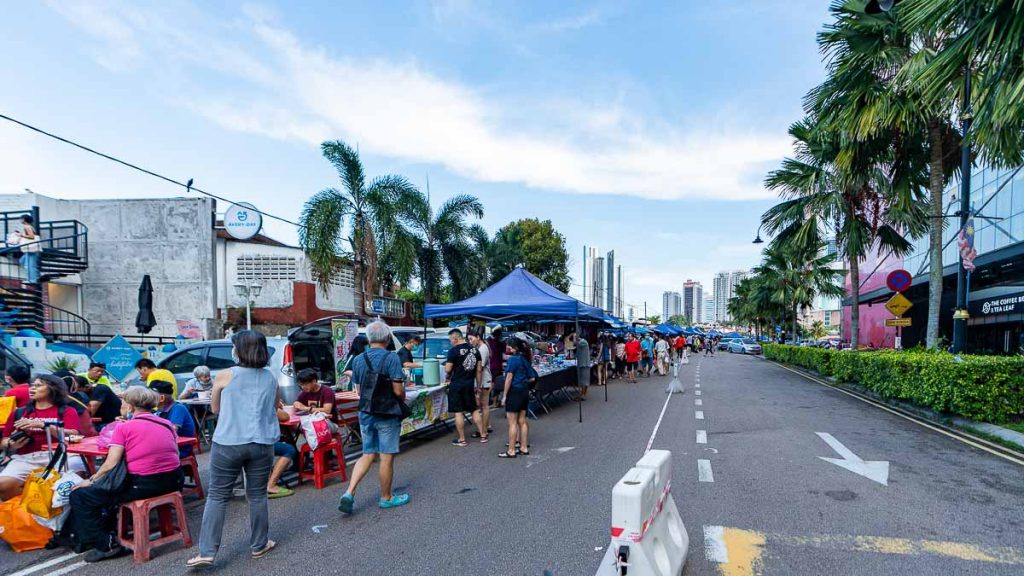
(287, 364)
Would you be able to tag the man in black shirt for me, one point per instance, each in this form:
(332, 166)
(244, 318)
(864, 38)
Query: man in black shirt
(103, 402)
(405, 352)
(461, 367)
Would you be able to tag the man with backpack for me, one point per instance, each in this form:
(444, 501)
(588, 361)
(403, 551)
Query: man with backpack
(377, 374)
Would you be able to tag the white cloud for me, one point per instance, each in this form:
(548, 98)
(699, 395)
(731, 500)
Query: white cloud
(576, 22)
(284, 88)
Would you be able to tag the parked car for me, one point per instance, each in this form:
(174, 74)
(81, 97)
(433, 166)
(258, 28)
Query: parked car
(434, 346)
(744, 346)
(723, 344)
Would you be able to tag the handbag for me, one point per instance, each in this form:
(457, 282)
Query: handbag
(37, 495)
(114, 479)
(19, 529)
(382, 400)
(316, 429)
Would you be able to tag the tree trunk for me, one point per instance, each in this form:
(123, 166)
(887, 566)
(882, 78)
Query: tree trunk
(935, 184)
(854, 301)
(796, 314)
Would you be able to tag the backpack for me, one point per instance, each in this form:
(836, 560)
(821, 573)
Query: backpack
(376, 395)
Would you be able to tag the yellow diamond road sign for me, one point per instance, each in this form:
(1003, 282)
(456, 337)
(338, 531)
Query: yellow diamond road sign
(898, 305)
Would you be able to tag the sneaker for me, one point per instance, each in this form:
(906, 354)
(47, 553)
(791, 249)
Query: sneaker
(396, 501)
(345, 504)
(96, 555)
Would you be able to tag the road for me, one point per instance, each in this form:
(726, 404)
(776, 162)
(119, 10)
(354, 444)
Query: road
(756, 498)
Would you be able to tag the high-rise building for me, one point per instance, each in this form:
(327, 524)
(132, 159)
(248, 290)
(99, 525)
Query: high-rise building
(671, 305)
(597, 280)
(693, 298)
(709, 312)
(724, 288)
(620, 303)
(610, 283)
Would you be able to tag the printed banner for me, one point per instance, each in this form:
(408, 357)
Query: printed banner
(428, 407)
(343, 333)
(189, 329)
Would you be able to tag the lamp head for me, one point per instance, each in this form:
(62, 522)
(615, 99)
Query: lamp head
(758, 239)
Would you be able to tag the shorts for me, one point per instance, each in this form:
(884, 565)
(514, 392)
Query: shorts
(631, 365)
(646, 361)
(21, 465)
(518, 400)
(285, 450)
(380, 435)
(461, 399)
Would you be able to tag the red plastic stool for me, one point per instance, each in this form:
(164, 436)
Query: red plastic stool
(133, 524)
(190, 466)
(321, 472)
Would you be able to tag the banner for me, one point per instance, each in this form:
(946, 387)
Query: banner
(189, 329)
(343, 333)
(428, 407)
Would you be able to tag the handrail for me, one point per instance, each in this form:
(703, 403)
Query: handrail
(74, 319)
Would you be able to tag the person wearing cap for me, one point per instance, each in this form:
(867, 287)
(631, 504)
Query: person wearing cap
(164, 375)
(96, 374)
(175, 413)
(103, 402)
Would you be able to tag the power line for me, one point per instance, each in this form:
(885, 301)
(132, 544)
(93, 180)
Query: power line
(186, 185)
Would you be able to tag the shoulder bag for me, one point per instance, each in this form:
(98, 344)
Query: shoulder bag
(114, 479)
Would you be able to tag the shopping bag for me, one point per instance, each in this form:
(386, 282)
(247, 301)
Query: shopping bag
(55, 523)
(19, 529)
(37, 496)
(316, 429)
(106, 435)
(63, 487)
(8, 404)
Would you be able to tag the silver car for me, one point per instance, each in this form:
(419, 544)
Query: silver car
(744, 346)
(216, 355)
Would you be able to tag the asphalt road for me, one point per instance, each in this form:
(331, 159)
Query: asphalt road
(773, 507)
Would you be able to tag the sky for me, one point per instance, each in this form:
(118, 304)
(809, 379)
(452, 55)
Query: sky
(643, 127)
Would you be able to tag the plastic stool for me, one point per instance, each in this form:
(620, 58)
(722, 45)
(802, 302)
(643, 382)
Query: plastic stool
(190, 466)
(320, 469)
(138, 524)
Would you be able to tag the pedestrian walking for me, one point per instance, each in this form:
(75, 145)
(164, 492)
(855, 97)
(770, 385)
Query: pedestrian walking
(620, 357)
(646, 355)
(661, 353)
(633, 351)
(518, 374)
(484, 383)
(377, 373)
(603, 355)
(245, 399)
(583, 367)
(461, 367)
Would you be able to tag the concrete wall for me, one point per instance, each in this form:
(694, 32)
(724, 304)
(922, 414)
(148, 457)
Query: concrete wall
(171, 239)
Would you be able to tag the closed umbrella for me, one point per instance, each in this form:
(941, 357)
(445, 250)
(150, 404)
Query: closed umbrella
(145, 320)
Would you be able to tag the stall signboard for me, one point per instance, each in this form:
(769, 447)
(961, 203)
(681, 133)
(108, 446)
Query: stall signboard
(343, 333)
(119, 356)
(242, 221)
(1002, 304)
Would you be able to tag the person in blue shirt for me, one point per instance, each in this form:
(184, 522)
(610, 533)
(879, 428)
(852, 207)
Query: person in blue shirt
(518, 374)
(174, 413)
(647, 360)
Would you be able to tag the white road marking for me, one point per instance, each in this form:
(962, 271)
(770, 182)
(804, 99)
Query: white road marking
(44, 565)
(698, 402)
(702, 436)
(699, 414)
(697, 392)
(66, 569)
(714, 545)
(704, 471)
(877, 470)
(658, 424)
(318, 528)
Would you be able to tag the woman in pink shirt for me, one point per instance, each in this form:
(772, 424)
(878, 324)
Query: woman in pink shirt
(149, 446)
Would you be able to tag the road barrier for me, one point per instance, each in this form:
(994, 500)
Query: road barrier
(675, 386)
(648, 537)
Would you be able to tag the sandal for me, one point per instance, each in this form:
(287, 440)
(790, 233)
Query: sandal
(485, 439)
(265, 550)
(200, 562)
(282, 492)
(524, 452)
(506, 455)
(460, 443)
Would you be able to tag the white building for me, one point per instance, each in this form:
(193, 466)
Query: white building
(724, 289)
(693, 298)
(710, 313)
(671, 305)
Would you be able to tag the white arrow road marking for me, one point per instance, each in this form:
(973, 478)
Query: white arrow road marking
(317, 529)
(702, 436)
(876, 470)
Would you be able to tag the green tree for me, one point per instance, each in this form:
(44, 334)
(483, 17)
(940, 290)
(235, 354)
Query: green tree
(654, 320)
(359, 221)
(679, 320)
(536, 245)
(445, 243)
(818, 330)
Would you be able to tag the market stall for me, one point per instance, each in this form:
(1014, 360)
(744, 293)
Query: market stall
(429, 405)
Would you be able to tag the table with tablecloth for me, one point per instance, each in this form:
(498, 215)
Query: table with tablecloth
(429, 406)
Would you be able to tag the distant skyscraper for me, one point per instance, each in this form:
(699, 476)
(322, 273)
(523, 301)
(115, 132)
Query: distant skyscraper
(693, 297)
(620, 303)
(671, 305)
(597, 280)
(724, 288)
(610, 283)
(710, 313)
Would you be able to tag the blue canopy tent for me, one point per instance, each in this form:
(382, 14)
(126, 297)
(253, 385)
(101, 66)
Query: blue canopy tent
(614, 321)
(733, 335)
(637, 330)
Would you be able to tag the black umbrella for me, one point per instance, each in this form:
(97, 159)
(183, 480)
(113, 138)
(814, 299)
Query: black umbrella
(145, 321)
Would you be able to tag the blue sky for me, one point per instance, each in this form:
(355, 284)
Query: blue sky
(642, 127)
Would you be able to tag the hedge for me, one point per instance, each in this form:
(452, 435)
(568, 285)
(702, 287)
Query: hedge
(983, 388)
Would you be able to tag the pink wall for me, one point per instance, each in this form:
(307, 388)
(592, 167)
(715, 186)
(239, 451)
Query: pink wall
(873, 331)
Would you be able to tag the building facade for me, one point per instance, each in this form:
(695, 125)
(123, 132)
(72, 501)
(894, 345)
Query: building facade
(693, 301)
(671, 305)
(610, 283)
(724, 289)
(709, 314)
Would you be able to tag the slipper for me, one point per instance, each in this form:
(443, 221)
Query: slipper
(460, 443)
(506, 455)
(281, 493)
(526, 453)
(475, 435)
(199, 562)
(485, 439)
(265, 550)
(396, 501)
(345, 503)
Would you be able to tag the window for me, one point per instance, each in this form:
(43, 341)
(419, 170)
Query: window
(219, 358)
(185, 361)
(266, 267)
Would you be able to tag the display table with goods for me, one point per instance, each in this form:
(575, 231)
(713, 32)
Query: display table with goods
(554, 374)
(429, 405)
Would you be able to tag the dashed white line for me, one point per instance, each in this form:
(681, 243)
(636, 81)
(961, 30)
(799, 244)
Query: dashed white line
(47, 564)
(702, 436)
(704, 471)
(697, 392)
(698, 402)
(699, 414)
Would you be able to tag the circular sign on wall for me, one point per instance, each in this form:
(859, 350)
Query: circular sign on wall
(242, 221)
(898, 280)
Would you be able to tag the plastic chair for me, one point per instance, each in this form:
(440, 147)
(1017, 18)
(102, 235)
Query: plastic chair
(133, 524)
(190, 466)
(321, 471)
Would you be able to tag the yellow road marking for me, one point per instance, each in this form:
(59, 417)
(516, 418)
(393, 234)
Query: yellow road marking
(744, 549)
(905, 417)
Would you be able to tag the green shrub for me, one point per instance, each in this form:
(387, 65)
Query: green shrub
(986, 388)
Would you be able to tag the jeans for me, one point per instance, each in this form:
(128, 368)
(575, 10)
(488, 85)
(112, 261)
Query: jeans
(94, 510)
(30, 261)
(226, 462)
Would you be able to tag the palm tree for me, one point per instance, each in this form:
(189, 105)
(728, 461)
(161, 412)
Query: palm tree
(867, 94)
(446, 243)
(832, 190)
(797, 274)
(358, 221)
(818, 330)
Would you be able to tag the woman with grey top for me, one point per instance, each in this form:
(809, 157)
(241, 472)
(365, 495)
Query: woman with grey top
(245, 400)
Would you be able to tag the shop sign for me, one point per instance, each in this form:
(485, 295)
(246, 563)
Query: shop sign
(242, 221)
(1005, 304)
(119, 356)
(189, 329)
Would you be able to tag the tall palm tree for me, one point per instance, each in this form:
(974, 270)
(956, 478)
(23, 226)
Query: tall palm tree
(446, 243)
(358, 221)
(797, 274)
(867, 94)
(838, 191)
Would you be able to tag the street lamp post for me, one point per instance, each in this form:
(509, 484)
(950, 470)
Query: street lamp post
(250, 292)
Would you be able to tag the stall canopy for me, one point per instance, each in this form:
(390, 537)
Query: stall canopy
(613, 321)
(518, 294)
(668, 329)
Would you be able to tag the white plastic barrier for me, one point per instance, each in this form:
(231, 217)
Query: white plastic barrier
(648, 535)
